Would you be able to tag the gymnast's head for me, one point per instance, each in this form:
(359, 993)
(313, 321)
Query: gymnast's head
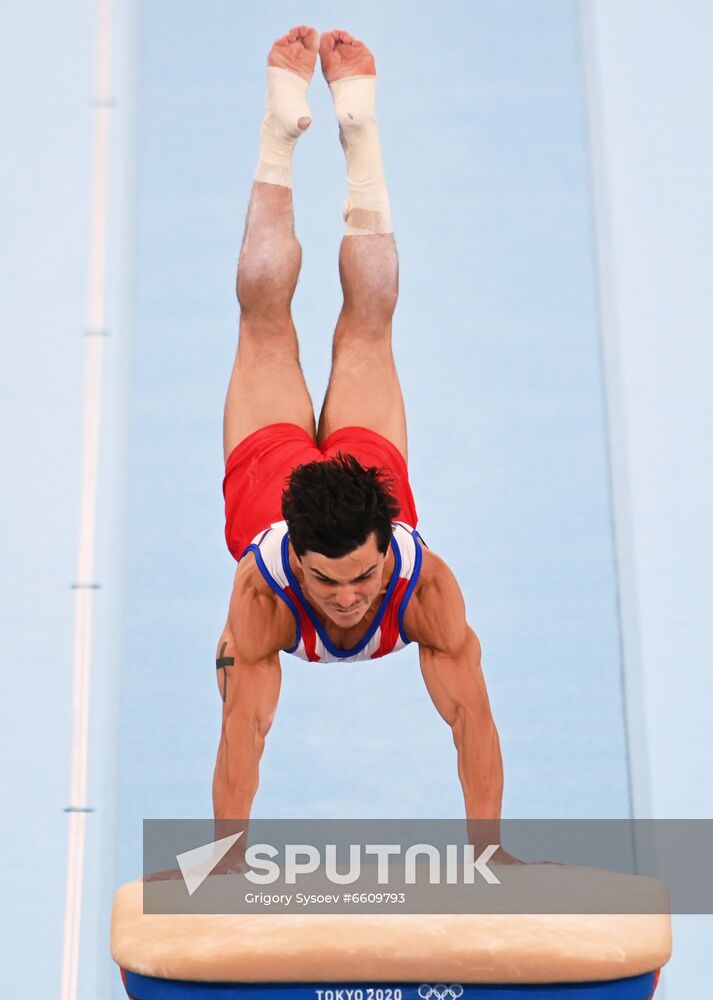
(339, 516)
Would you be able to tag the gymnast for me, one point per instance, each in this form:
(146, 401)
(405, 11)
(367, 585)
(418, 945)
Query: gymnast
(321, 518)
(331, 568)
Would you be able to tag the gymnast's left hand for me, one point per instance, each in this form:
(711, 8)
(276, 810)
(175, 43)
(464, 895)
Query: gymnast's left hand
(502, 857)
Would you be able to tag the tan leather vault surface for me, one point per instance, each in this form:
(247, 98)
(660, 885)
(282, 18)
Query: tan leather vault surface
(476, 948)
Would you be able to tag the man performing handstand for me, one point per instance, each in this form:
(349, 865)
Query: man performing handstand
(321, 518)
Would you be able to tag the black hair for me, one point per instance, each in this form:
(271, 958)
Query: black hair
(333, 506)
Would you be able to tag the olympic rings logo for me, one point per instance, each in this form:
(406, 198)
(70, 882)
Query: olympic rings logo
(440, 991)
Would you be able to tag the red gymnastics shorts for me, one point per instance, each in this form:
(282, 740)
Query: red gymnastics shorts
(257, 470)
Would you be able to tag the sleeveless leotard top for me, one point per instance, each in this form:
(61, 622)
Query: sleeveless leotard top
(386, 633)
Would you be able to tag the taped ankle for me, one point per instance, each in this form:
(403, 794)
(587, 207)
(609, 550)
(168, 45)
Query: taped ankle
(367, 208)
(286, 104)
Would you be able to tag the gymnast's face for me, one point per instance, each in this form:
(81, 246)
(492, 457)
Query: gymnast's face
(344, 588)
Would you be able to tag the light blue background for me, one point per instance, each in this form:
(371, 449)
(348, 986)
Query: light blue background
(548, 196)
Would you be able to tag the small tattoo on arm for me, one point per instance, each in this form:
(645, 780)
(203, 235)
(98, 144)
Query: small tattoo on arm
(224, 661)
(221, 663)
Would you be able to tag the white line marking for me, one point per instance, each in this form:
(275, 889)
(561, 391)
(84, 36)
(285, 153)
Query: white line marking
(83, 597)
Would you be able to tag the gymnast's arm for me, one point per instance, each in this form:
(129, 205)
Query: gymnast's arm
(450, 660)
(250, 688)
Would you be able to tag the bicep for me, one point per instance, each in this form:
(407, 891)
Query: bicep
(252, 691)
(247, 657)
(249, 677)
(455, 681)
(224, 658)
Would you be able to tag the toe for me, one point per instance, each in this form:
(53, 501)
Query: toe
(326, 42)
(311, 39)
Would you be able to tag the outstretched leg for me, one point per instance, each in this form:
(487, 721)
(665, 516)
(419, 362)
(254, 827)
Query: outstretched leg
(364, 387)
(267, 385)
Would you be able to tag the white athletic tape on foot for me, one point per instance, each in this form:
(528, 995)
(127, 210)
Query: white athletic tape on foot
(367, 208)
(286, 104)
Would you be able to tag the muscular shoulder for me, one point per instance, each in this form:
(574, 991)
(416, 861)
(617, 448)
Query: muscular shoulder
(260, 622)
(435, 615)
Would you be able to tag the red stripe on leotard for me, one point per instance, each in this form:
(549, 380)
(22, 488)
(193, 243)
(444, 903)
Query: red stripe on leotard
(390, 621)
(309, 635)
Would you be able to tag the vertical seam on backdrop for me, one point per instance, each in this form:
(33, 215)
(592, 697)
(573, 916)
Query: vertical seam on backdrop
(85, 586)
(607, 331)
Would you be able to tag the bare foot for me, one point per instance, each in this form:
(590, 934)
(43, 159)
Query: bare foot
(342, 55)
(297, 52)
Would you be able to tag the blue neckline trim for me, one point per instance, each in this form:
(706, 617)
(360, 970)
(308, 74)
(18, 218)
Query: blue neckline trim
(411, 585)
(277, 588)
(251, 547)
(312, 615)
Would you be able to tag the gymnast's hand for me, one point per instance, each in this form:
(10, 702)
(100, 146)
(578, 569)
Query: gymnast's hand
(229, 865)
(232, 863)
(163, 876)
(502, 857)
